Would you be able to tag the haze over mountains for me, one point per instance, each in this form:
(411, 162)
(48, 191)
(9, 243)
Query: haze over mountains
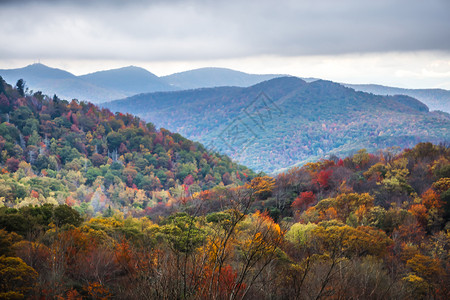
(213, 77)
(128, 80)
(435, 99)
(95, 87)
(286, 121)
(291, 122)
(123, 82)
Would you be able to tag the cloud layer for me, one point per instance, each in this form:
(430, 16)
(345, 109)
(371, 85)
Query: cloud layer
(206, 29)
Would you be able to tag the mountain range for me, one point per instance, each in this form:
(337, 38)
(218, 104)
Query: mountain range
(119, 83)
(287, 121)
(268, 122)
(123, 82)
(95, 87)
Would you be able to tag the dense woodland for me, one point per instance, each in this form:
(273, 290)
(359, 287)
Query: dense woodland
(77, 221)
(300, 123)
(53, 151)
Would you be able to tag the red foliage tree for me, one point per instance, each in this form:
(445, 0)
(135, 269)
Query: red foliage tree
(303, 201)
(74, 128)
(4, 103)
(123, 148)
(322, 178)
(188, 180)
(159, 138)
(12, 164)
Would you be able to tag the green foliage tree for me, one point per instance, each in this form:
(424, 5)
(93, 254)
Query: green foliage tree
(20, 86)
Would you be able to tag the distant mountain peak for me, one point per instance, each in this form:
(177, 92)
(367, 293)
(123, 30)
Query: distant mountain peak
(286, 78)
(215, 77)
(281, 82)
(122, 71)
(38, 64)
(326, 83)
(43, 71)
(130, 80)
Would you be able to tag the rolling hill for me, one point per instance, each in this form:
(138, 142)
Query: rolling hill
(214, 77)
(119, 83)
(71, 150)
(123, 82)
(129, 80)
(64, 84)
(94, 87)
(287, 121)
(435, 99)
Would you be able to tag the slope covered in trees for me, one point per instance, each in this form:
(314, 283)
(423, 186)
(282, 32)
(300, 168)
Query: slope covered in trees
(55, 151)
(287, 121)
(364, 227)
(96, 205)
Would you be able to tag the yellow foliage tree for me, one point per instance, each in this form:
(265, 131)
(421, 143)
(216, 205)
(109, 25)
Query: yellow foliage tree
(16, 278)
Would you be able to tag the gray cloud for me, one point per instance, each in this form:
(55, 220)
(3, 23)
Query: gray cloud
(206, 29)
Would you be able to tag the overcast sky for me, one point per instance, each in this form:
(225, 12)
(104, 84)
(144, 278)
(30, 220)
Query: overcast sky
(397, 42)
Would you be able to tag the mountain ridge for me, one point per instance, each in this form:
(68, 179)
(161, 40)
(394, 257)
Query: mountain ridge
(130, 79)
(214, 77)
(307, 120)
(106, 85)
(434, 98)
(66, 85)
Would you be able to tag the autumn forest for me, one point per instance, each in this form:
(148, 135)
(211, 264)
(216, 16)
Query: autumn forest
(97, 205)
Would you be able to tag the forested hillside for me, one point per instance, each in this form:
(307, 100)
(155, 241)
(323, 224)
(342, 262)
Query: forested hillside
(96, 205)
(286, 121)
(215, 184)
(364, 227)
(55, 151)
